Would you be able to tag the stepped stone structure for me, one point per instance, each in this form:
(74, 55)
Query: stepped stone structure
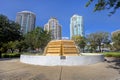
(62, 53)
(61, 48)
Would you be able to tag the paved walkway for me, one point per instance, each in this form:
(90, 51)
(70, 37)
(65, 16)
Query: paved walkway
(12, 69)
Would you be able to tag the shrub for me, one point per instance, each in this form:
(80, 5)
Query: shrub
(10, 55)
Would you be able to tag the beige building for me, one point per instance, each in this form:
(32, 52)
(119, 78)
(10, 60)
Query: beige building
(54, 27)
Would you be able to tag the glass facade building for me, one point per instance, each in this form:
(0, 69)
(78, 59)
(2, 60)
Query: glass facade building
(54, 27)
(27, 21)
(76, 26)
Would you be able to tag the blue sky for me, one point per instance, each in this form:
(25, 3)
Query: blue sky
(63, 10)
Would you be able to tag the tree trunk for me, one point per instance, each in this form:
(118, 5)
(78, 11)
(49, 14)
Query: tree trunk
(99, 48)
(83, 50)
(20, 50)
(0, 54)
(12, 50)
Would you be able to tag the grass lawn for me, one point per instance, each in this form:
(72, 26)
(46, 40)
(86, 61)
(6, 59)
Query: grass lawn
(112, 54)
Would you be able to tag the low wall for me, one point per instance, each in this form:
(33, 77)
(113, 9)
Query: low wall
(85, 59)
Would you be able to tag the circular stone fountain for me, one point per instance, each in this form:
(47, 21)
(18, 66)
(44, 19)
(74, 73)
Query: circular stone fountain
(62, 53)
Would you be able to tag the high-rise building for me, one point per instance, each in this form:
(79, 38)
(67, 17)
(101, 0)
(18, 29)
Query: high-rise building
(76, 26)
(54, 28)
(27, 21)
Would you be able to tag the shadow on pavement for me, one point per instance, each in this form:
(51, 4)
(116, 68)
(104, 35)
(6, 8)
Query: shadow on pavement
(4, 59)
(114, 63)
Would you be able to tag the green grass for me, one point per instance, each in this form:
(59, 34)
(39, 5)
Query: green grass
(112, 54)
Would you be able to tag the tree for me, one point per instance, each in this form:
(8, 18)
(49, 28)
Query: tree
(21, 45)
(12, 45)
(4, 48)
(80, 41)
(37, 39)
(82, 44)
(45, 38)
(91, 42)
(9, 31)
(96, 39)
(112, 5)
(3, 24)
(116, 40)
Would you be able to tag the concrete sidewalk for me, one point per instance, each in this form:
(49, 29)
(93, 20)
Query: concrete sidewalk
(12, 69)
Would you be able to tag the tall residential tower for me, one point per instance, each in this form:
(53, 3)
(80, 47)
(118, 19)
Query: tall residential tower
(76, 26)
(27, 21)
(54, 27)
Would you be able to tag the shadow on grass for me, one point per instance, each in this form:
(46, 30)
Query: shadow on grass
(114, 63)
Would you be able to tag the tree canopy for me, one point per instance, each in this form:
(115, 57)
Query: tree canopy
(112, 5)
(9, 31)
(96, 39)
(38, 38)
(80, 41)
(116, 40)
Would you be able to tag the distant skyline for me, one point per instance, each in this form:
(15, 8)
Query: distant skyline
(63, 10)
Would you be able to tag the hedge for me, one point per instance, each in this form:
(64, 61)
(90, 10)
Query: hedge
(10, 55)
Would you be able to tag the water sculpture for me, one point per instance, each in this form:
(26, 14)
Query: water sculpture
(61, 48)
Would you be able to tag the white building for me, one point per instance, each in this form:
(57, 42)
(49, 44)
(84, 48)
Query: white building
(26, 20)
(76, 26)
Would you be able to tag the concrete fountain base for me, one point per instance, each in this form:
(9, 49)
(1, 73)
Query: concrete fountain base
(85, 59)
